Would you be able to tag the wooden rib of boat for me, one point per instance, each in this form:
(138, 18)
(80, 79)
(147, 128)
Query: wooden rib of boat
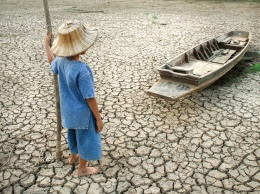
(200, 66)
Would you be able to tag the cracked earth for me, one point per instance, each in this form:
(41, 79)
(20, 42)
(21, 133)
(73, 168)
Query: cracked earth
(207, 142)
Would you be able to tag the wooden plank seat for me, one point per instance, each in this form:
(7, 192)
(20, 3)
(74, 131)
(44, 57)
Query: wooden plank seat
(193, 72)
(221, 56)
(235, 41)
(179, 69)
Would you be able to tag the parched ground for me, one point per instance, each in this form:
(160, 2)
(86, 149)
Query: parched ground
(204, 143)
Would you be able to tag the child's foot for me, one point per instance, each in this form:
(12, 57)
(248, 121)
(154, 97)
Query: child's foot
(73, 158)
(88, 171)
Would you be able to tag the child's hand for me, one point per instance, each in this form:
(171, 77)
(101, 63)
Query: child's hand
(100, 125)
(47, 46)
(48, 38)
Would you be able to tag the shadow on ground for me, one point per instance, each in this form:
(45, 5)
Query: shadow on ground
(239, 71)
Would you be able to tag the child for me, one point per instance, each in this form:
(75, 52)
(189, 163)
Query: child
(79, 109)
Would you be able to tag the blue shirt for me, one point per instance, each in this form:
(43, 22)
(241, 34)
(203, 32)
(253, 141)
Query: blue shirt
(76, 84)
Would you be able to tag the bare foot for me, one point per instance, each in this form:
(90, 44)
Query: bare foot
(73, 158)
(88, 171)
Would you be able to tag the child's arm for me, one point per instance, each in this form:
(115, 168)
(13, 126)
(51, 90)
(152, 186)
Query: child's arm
(92, 102)
(47, 42)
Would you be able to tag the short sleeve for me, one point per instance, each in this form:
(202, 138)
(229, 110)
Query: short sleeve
(86, 86)
(54, 67)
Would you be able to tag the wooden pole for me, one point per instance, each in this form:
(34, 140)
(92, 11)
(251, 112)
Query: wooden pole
(56, 87)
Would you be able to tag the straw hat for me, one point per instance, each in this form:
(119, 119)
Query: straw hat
(73, 38)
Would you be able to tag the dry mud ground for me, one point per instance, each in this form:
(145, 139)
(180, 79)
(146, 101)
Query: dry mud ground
(204, 143)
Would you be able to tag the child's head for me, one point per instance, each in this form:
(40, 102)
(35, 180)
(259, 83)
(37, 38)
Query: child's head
(73, 39)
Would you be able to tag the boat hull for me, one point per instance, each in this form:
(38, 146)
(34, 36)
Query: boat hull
(172, 87)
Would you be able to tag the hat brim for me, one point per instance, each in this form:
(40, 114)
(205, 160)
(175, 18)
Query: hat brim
(74, 47)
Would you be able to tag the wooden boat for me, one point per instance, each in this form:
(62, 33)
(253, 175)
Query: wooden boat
(200, 66)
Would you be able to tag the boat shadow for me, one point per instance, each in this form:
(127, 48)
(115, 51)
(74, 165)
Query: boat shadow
(238, 71)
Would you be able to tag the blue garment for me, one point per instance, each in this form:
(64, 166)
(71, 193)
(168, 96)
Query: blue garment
(76, 84)
(86, 143)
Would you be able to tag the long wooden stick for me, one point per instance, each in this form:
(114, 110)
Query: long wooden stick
(56, 87)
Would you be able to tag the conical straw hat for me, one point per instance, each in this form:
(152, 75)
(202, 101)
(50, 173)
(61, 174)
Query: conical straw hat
(73, 38)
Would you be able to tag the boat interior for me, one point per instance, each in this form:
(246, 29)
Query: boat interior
(203, 61)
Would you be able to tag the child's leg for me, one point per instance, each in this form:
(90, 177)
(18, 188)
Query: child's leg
(73, 158)
(84, 169)
(72, 141)
(89, 148)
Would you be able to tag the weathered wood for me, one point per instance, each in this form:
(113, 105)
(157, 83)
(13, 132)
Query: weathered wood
(56, 86)
(209, 61)
(182, 70)
(223, 57)
(203, 68)
(47, 16)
